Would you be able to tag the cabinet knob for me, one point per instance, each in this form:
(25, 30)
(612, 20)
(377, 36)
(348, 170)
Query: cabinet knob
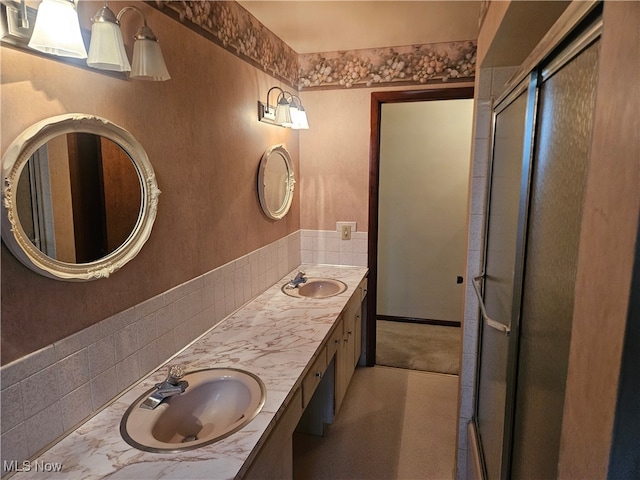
(318, 374)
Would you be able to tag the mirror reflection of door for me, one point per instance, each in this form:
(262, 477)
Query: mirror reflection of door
(276, 177)
(425, 150)
(33, 202)
(79, 197)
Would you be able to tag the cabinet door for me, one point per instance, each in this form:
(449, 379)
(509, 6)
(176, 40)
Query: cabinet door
(350, 340)
(361, 349)
(275, 458)
(348, 352)
(357, 336)
(313, 377)
(340, 363)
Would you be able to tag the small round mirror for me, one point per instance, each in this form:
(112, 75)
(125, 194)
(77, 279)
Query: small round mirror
(275, 182)
(79, 197)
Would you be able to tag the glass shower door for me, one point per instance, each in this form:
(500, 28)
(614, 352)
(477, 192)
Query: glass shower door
(502, 276)
(560, 164)
(542, 133)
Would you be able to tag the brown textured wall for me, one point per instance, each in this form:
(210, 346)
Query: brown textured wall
(201, 134)
(334, 183)
(335, 167)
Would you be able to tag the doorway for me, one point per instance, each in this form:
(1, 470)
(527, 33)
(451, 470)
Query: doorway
(419, 170)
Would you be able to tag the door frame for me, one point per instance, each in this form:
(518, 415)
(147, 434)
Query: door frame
(377, 99)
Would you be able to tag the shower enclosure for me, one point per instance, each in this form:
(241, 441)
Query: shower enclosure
(541, 136)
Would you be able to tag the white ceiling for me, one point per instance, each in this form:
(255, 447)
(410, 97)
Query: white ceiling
(311, 26)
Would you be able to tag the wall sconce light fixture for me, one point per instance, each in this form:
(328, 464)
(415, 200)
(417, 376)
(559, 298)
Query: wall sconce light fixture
(298, 114)
(57, 30)
(288, 112)
(106, 51)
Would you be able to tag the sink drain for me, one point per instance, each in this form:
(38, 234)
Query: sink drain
(190, 438)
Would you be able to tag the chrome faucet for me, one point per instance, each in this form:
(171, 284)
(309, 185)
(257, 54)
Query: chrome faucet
(300, 278)
(173, 385)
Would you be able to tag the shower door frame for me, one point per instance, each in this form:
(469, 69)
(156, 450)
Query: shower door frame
(558, 48)
(529, 87)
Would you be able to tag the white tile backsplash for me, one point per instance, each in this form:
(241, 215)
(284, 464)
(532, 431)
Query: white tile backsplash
(14, 444)
(126, 342)
(21, 369)
(76, 406)
(148, 357)
(39, 390)
(44, 427)
(104, 387)
(77, 341)
(51, 390)
(73, 371)
(12, 410)
(102, 356)
(327, 247)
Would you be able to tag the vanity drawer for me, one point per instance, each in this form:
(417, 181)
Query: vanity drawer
(334, 340)
(314, 376)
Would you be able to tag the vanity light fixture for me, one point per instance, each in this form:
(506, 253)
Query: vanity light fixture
(286, 113)
(298, 114)
(283, 111)
(106, 51)
(57, 30)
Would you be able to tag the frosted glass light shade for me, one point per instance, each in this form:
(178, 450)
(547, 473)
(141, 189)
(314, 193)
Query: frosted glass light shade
(148, 63)
(57, 30)
(283, 113)
(299, 118)
(106, 50)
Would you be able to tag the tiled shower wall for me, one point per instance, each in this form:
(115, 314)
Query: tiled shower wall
(490, 85)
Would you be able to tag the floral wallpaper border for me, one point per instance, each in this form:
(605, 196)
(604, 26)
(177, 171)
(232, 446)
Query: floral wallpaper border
(230, 26)
(408, 65)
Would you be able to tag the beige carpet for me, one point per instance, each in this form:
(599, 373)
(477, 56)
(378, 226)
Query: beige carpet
(430, 348)
(394, 424)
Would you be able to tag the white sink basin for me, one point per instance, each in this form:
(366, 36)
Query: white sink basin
(217, 403)
(316, 288)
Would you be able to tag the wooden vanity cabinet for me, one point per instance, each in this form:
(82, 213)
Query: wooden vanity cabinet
(350, 345)
(313, 378)
(346, 359)
(320, 394)
(275, 457)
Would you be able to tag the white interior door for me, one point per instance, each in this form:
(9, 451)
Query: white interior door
(425, 152)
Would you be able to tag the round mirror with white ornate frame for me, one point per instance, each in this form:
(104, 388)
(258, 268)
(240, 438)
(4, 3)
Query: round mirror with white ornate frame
(276, 180)
(80, 197)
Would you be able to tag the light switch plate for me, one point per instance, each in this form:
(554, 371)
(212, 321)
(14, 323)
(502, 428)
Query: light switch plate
(345, 229)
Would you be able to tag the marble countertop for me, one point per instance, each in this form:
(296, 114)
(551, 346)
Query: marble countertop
(274, 336)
